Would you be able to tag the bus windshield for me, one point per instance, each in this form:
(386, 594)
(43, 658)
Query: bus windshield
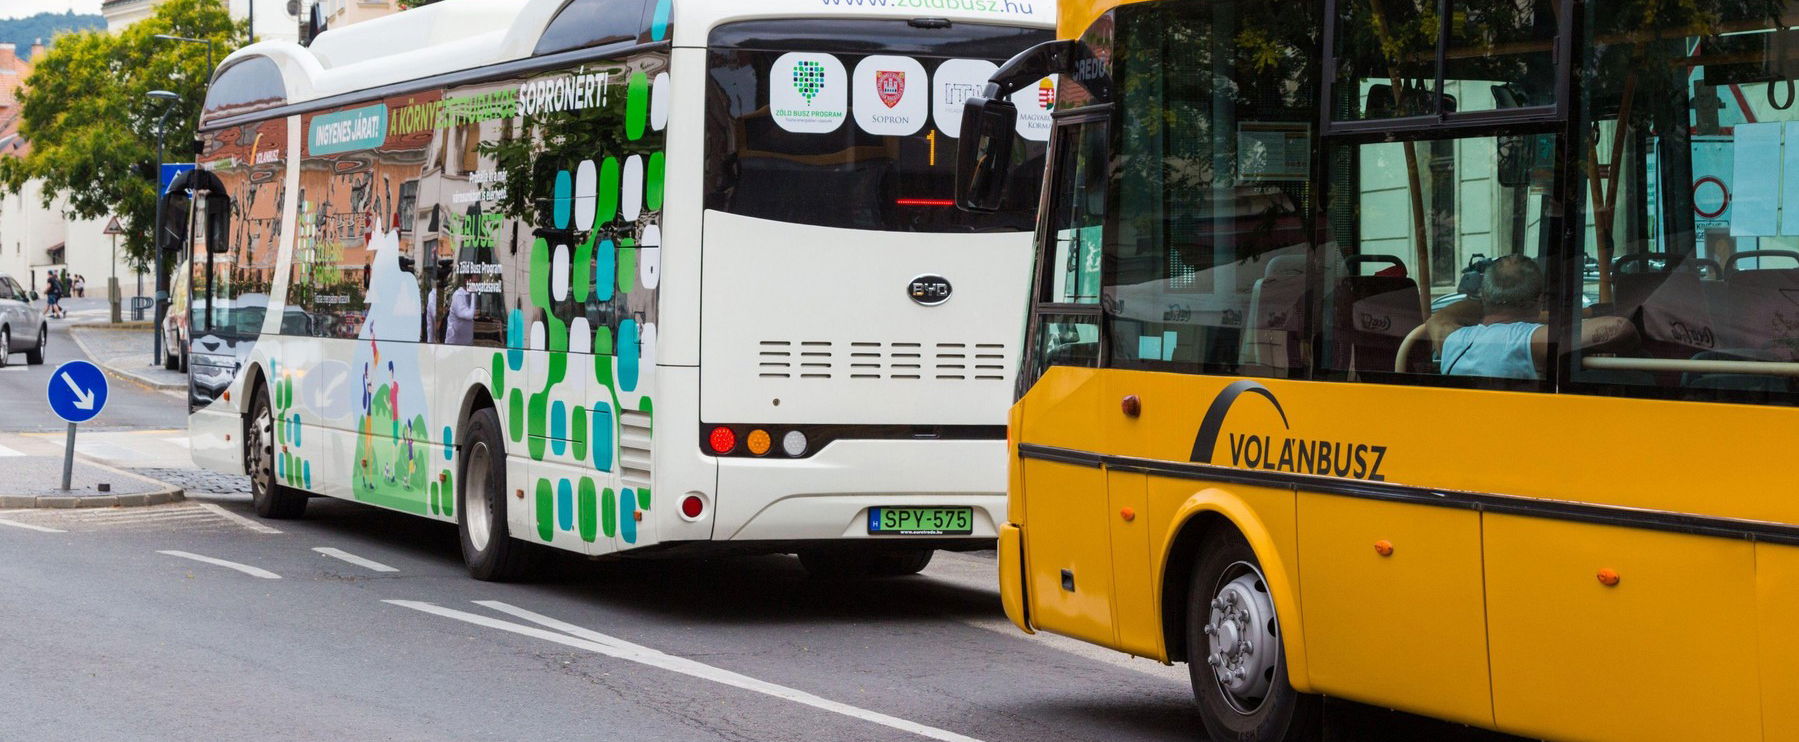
(816, 130)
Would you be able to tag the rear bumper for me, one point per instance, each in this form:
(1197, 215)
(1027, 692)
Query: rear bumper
(826, 497)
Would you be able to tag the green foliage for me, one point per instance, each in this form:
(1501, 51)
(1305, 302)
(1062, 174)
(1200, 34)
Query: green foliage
(21, 32)
(92, 126)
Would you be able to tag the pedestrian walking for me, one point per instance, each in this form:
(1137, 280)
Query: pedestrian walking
(53, 298)
(80, 286)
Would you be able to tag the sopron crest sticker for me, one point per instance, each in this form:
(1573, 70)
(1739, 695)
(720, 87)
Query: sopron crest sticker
(1280, 450)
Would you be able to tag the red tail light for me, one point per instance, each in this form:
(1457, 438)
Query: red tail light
(692, 506)
(722, 440)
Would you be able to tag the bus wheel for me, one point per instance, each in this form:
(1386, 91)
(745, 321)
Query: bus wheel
(1234, 652)
(851, 562)
(270, 499)
(487, 544)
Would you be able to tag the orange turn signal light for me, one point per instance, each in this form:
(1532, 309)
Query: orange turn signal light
(759, 442)
(1127, 514)
(1609, 577)
(1383, 547)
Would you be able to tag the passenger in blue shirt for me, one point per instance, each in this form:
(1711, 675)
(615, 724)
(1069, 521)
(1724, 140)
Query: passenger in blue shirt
(1502, 334)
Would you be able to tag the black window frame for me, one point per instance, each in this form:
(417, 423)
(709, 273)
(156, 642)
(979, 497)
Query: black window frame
(1559, 112)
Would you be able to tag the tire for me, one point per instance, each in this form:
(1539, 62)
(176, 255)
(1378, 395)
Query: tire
(488, 548)
(5, 347)
(854, 563)
(1229, 598)
(35, 356)
(270, 498)
(183, 368)
(170, 359)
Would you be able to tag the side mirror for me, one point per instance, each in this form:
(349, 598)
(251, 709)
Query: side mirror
(989, 127)
(218, 224)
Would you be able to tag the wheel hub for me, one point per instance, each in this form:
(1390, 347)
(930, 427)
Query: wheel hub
(1242, 647)
(475, 511)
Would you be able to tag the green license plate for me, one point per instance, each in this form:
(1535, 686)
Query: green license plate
(921, 521)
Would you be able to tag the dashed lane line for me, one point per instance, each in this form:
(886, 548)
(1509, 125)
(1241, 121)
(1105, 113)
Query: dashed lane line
(353, 559)
(613, 647)
(244, 568)
(238, 519)
(30, 527)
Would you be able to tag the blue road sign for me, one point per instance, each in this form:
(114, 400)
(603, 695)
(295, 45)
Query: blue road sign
(77, 391)
(171, 171)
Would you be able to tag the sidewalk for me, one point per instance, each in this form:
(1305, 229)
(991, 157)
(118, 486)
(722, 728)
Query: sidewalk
(124, 350)
(32, 471)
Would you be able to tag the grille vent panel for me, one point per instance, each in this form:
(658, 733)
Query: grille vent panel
(875, 360)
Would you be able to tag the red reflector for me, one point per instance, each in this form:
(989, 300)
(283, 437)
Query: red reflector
(722, 440)
(925, 202)
(692, 506)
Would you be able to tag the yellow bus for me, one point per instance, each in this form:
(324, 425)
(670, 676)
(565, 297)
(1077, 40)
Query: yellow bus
(1431, 354)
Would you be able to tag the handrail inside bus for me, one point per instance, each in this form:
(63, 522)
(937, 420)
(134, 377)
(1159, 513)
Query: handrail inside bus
(1676, 365)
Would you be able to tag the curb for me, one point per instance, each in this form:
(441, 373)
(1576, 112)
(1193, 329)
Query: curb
(169, 493)
(122, 373)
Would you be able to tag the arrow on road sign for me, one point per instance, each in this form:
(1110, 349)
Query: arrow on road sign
(84, 399)
(81, 393)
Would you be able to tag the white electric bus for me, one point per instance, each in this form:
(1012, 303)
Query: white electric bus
(618, 275)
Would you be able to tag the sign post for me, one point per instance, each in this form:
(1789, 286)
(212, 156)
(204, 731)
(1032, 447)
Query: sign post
(114, 229)
(77, 394)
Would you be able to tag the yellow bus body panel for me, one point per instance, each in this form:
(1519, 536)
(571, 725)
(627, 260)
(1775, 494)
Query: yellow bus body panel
(1666, 654)
(1501, 509)
(1777, 606)
(1077, 15)
(1416, 616)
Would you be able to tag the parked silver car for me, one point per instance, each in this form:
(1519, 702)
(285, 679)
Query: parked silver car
(22, 328)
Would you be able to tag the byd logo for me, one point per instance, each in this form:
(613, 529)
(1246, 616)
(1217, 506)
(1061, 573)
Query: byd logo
(1285, 452)
(929, 290)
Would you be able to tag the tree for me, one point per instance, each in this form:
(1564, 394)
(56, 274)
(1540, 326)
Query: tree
(92, 126)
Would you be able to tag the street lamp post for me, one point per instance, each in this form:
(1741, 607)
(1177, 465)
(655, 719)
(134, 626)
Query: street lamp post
(207, 42)
(156, 251)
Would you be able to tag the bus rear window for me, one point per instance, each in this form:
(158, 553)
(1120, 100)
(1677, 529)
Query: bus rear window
(817, 132)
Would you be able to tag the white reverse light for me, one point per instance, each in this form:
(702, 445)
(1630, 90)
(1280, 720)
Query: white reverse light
(794, 443)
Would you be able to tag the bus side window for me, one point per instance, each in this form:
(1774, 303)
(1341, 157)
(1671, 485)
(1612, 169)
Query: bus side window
(1420, 225)
(1690, 247)
(1070, 274)
(1208, 261)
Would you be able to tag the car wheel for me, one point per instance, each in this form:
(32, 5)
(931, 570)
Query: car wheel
(488, 548)
(840, 563)
(1235, 658)
(5, 347)
(35, 356)
(171, 360)
(270, 498)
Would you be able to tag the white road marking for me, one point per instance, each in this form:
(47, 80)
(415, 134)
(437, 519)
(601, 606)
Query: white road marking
(238, 519)
(30, 527)
(244, 568)
(6, 452)
(353, 559)
(623, 650)
(182, 442)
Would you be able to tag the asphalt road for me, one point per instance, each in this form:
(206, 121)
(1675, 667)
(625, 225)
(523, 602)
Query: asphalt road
(197, 621)
(112, 638)
(23, 408)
